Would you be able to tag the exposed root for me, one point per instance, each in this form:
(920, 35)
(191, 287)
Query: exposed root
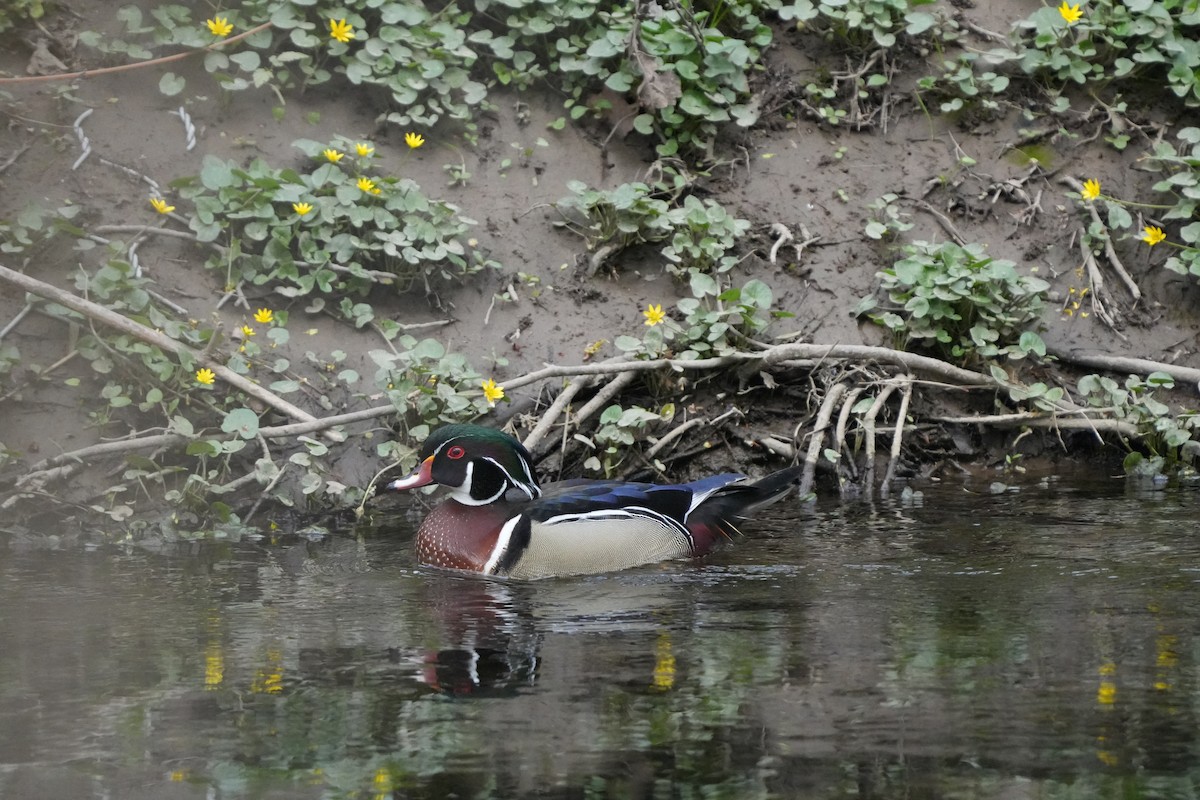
(818, 437)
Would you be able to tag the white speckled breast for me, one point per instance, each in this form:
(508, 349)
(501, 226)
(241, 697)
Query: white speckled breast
(456, 536)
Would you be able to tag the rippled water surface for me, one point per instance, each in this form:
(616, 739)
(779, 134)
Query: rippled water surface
(1038, 643)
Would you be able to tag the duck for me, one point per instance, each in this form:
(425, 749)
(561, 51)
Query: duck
(500, 521)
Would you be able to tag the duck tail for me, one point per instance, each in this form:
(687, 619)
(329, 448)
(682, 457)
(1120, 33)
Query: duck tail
(718, 515)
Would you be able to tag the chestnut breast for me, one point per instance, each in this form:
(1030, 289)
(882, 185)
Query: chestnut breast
(458, 536)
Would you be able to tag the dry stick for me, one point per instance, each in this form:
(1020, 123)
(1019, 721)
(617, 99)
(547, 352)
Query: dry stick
(88, 73)
(151, 336)
(1037, 420)
(679, 430)
(869, 428)
(607, 393)
(1141, 366)
(551, 415)
(942, 220)
(1109, 251)
(1096, 284)
(885, 489)
(840, 437)
(17, 319)
(818, 437)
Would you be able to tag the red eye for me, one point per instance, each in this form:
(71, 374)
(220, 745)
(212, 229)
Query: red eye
(455, 452)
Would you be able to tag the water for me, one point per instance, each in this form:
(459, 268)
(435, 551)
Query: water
(1040, 643)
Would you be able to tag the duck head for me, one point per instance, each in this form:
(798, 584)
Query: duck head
(479, 465)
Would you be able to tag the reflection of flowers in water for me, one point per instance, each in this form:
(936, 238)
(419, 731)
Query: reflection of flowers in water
(269, 678)
(664, 663)
(1106, 692)
(214, 665)
(382, 784)
(1106, 698)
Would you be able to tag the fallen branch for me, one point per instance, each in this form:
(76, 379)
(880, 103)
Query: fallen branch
(1124, 364)
(897, 438)
(818, 437)
(154, 62)
(118, 322)
(869, 433)
(1109, 251)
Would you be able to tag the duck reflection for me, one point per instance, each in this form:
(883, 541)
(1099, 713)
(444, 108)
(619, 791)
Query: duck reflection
(490, 642)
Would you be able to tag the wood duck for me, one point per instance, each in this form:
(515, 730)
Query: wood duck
(499, 521)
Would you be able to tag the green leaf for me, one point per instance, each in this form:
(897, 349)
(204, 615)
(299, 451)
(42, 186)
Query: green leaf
(171, 84)
(241, 421)
(1030, 342)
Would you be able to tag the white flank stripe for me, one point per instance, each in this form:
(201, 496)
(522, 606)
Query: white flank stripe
(501, 545)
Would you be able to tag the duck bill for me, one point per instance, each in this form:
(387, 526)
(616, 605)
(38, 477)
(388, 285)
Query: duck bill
(422, 477)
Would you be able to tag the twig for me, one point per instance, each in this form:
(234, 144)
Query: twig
(15, 321)
(604, 396)
(1096, 286)
(124, 324)
(840, 436)
(683, 428)
(869, 429)
(1125, 364)
(8, 162)
(1035, 419)
(89, 73)
(1109, 250)
(942, 220)
(897, 437)
(779, 230)
(818, 437)
(556, 408)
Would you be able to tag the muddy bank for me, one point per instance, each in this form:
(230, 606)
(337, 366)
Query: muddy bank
(364, 361)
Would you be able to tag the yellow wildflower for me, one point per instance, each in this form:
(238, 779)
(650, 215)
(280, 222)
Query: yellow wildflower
(1070, 13)
(341, 30)
(1152, 235)
(247, 331)
(302, 208)
(219, 26)
(414, 140)
(367, 185)
(206, 376)
(492, 392)
(264, 315)
(364, 149)
(333, 155)
(654, 314)
(161, 206)
(1091, 189)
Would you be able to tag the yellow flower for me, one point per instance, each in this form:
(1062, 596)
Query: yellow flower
(264, 315)
(1152, 235)
(367, 185)
(219, 26)
(364, 149)
(341, 30)
(414, 140)
(302, 208)
(492, 392)
(333, 155)
(205, 376)
(247, 331)
(161, 206)
(1091, 189)
(654, 315)
(1070, 13)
